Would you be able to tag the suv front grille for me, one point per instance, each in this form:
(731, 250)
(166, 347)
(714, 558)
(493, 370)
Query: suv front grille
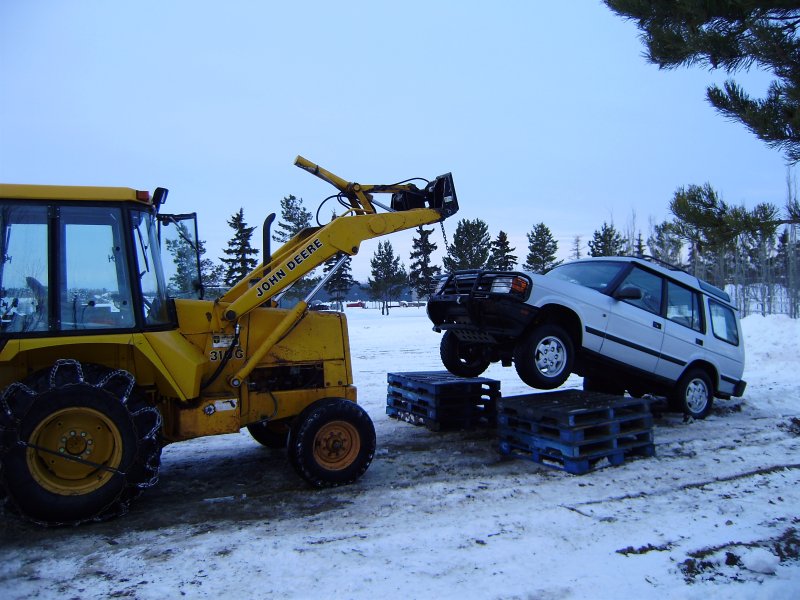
(471, 282)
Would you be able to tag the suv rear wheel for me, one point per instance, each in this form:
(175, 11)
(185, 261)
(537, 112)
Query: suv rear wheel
(693, 395)
(544, 357)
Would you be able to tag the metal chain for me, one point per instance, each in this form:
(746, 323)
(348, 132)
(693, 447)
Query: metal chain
(152, 463)
(444, 237)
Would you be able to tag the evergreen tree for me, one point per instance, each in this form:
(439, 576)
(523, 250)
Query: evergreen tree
(500, 257)
(184, 282)
(542, 249)
(639, 248)
(240, 253)
(664, 244)
(606, 242)
(388, 275)
(422, 274)
(732, 35)
(470, 247)
(576, 248)
(341, 281)
(294, 218)
(212, 273)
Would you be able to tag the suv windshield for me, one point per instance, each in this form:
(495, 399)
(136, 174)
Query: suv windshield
(595, 275)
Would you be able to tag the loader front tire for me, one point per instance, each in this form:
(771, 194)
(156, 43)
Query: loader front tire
(332, 442)
(78, 443)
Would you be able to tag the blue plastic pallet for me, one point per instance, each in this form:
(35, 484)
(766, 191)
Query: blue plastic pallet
(582, 433)
(575, 450)
(574, 430)
(572, 408)
(576, 465)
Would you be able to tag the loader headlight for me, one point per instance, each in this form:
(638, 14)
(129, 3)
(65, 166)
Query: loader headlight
(510, 284)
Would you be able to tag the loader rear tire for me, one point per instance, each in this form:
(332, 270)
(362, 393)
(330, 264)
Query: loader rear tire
(272, 434)
(78, 443)
(332, 442)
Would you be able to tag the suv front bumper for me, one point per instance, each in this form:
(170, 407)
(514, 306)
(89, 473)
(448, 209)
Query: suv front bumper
(491, 319)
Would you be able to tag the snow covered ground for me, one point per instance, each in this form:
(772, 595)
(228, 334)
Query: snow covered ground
(716, 513)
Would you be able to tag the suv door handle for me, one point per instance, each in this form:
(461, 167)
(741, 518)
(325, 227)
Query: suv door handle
(698, 341)
(656, 324)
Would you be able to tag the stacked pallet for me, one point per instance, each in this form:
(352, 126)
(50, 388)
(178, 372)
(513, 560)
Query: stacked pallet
(439, 400)
(574, 430)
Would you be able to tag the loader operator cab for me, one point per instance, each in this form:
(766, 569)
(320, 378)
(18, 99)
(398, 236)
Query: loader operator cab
(78, 260)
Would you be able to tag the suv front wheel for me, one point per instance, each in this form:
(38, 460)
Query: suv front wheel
(464, 360)
(544, 357)
(693, 395)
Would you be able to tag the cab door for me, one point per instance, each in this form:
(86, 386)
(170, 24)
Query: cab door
(635, 331)
(180, 255)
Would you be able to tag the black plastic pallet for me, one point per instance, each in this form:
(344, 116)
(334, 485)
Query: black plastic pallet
(439, 400)
(433, 409)
(444, 385)
(441, 424)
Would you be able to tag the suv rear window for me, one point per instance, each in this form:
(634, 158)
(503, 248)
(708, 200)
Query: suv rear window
(723, 322)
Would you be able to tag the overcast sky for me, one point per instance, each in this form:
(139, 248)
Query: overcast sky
(543, 112)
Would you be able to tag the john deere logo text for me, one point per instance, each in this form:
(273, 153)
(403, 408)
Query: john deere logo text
(290, 265)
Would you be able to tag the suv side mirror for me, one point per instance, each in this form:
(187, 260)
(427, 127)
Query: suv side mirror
(628, 292)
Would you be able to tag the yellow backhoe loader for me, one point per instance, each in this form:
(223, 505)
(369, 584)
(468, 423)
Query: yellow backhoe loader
(106, 356)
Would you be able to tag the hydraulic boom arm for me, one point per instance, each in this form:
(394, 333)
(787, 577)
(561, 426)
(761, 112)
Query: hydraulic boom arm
(410, 207)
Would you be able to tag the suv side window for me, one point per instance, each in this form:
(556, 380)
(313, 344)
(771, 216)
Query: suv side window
(650, 284)
(723, 322)
(683, 306)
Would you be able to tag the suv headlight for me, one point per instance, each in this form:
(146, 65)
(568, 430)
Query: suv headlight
(510, 284)
(440, 284)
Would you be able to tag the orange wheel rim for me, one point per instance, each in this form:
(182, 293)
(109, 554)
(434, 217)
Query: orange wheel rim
(74, 433)
(337, 445)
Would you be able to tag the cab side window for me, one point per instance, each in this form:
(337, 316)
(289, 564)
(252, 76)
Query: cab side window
(683, 306)
(95, 290)
(24, 292)
(650, 284)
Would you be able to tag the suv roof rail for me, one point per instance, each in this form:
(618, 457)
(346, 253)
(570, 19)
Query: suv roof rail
(663, 263)
(704, 285)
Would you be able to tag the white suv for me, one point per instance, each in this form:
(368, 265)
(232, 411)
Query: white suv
(623, 323)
